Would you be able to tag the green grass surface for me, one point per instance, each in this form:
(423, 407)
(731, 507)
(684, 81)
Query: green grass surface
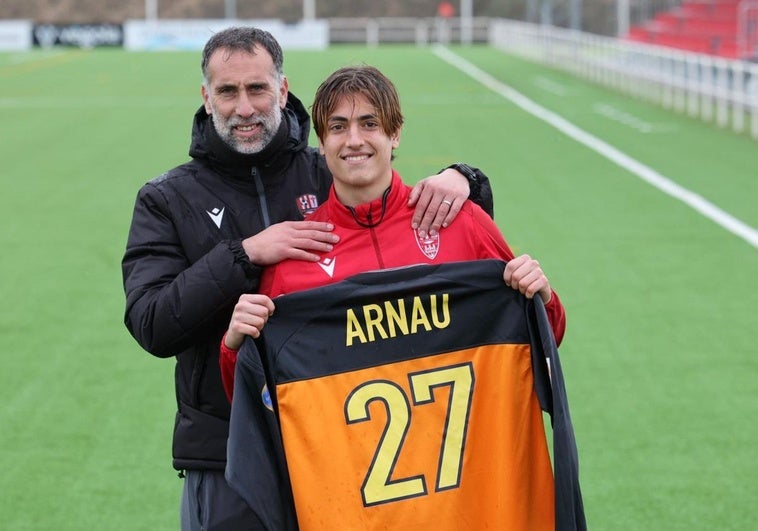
(659, 354)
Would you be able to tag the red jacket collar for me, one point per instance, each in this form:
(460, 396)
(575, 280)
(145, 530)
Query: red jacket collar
(372, 213)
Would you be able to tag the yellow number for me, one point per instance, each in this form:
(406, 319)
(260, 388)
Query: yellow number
(378, 487)
(461, 381)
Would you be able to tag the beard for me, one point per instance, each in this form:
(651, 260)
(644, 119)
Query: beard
(268, 124)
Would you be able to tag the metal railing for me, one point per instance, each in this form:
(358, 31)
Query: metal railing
(422, 31)
(703, 86)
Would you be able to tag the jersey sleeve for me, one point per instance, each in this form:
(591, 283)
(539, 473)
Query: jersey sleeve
(256, 467)
(569, 504)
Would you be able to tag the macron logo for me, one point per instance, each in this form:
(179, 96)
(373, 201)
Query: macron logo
(216, 215)
(327, 264)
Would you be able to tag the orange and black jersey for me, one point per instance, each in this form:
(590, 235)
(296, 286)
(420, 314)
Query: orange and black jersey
(405, 399)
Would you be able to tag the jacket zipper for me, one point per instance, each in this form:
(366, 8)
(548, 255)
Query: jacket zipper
(375, 242)
(261, 197)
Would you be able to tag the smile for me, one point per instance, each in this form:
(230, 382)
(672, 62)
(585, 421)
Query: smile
(356, 158)
(245, 128)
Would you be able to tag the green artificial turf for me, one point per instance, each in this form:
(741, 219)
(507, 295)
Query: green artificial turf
(659, 356)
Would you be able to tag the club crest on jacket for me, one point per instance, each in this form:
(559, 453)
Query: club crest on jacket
(307, 203)
(429, 244)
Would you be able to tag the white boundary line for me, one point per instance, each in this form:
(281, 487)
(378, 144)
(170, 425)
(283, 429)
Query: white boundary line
(652, 177)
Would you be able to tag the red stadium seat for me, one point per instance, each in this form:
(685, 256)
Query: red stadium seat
(703, 26)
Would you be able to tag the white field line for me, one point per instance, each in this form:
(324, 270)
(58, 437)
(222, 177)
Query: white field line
(647, 174)
(629, 120)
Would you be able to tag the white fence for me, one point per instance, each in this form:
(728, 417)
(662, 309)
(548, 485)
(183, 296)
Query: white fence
(422, 31)
(704, 86)
(711, 88)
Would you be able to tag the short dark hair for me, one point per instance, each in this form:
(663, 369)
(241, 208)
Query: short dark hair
(245, 38)
(362, 79)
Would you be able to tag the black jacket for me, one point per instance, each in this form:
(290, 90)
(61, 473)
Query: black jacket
(184, 267)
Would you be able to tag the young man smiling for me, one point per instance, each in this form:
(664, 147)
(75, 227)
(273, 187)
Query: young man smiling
(312, 393)
(358, 126)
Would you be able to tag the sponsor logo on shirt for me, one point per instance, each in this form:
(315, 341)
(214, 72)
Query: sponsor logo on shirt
(327, 264)
(217, 214)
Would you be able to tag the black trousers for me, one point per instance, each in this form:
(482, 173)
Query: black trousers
(210, 504)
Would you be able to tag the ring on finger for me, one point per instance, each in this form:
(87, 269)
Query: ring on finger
(447, 202)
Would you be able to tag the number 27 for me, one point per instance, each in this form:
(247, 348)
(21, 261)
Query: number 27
(377, 486)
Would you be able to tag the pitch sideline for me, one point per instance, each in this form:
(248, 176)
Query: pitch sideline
(647, 174)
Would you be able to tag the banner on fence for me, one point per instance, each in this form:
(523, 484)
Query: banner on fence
(193, 34)
(15, 35)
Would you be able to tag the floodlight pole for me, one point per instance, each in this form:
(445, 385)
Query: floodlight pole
(151, 10)
(546, 13)
(309, 9)
(230, 9)
(575, 15)
(467, 23)
(622, 17)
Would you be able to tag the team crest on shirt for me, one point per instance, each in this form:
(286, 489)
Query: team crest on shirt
(429, 245)
(307, 203)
